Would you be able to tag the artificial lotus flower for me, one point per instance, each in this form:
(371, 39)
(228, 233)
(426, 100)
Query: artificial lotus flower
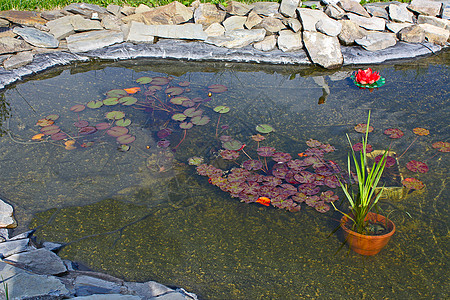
(367, 76)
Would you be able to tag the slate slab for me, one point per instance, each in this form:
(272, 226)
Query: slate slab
(9, 248)
(37, 37)
(12, 45)
(27, 18)
(354, 7)
(288, 7)
(377, 41)
(61, 28)
(87, 285)
(398, 12)
(267, 44)
(289, 41)
(373, 23)
(40, 261)
(238, 8)
(237, 38)
(92, 40)
(426, 7)
(323, 50)
(80, 24)
(188, 31)
(309, 18)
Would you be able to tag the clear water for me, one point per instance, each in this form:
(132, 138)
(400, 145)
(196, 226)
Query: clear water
(136, 216)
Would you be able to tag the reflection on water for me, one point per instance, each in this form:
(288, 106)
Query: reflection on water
(121, 213)
(4, 113)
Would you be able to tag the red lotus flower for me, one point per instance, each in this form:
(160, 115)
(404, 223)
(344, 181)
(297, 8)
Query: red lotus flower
(367, 76)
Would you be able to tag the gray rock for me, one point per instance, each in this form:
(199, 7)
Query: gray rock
(323, 50)
(353, 6)
(12, 45)
(171, 296)
(147, 289)
(288, 7)
(187, 31)
(142, 8)
(434, 34)
(6, 210)
(36, 37)
(25, 285)
(215, 29)
(269, 9)
(350, 32)
(114, 9)
(293, 24)
(39, 261)
(127, 10)
(377, 10)
(237, 38)
(23, 235)
(289, 41)
(51, 14)
(4, 233)
(377, 41)
(309, 18)
(372, 23)
(109, 297)
(169, 14)
(207, 13)
(445, 11)
(61, 28)
(329, 27)
(438, 22)
(271, 25)
(139, 33)
(51, 246)
(398, 12)
(88, 285)
(81, 24)
(234, 22)
(425, 7)
(412, 34)
(267, 44)
(91, 40)
(334, 11)
(85, 9)
(396, 27)
(4, 23)
(9, 248)
(253, 19)
(111, 22)
(238, 8)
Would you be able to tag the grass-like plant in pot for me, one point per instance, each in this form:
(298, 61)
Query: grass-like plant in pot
(366, 232)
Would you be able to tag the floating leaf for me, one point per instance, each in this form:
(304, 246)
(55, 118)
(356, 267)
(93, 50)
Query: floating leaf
(44, 122)
(252, 164)
(116, 93)
(94, 104)
(49, 130)
(359, 146)
(132, 90)
(77, 108)
(191, 112)
(217, 88)
(188, 103)
(52, 117)
(165, 132)
(123, 122)
(281, 157)
(417, 166)
(195, 161)
(117, 131)
(87, 130)
(229, 154)
(305, 177)
(413, 183)
(163, 143)
(442, 146)
(111, 101)
(362, 127)
(421, 131)
(102, 126)
(115, 115)
(160, 80)
(154, 88)
(313, 143)
(178, 100)
(232, 145)
(70, 147)
(221, 109)
(69, 143)
(265, 151)
(322, 207)
(144, 80)
(200, 120)
(258, 137)
(328, 196)
(179, 117)
(225, 138)
(390, 161)
(184, 83)
(37, 136)
(264, 128)
(174, 91)
(87, 144)
(81, 123)
(312, 201)
(123, 148)
(58, 136)
(126, 139)
(186, 125)
(394, 133)
(128, 100)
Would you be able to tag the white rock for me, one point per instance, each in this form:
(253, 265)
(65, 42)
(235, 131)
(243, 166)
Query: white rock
(435, 34)
(425, 7)
(6, 210)
(396, 27)
(294, 24)
(289, 41)
(81, 24)
(377, 41)
(288, 7)
(323, 50)
(399, 13)
(267, 44)
(309, 18)
(237, 38)
(438, 22)
(139, 33)
(215, 29)
(329, 27)
(373, 23)
(234, 22)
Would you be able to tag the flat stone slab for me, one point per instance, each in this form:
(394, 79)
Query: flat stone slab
(6, 215)
(377, 41)
(9, 248)
(185, 31)
(27, 18)
(39, 261)
(237, 38)
(109, 297)
(37, 37)
(82, 42)
(324, 50)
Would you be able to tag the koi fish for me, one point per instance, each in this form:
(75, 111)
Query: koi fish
(264, 201)
(302, 154)
(132, 90)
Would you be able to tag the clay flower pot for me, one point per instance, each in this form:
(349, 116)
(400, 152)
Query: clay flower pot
(368, 244)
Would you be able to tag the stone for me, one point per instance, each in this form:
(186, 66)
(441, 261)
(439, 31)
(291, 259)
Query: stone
(111, 22)
(133, 17)
(434, 34)
(86, 285)
(128, 10)
(40, 261)
(267, 44)
(350, 32)
(313, 4)
(425, 7)
(253, 19)
(234, 22)
(293, 24)
(23, 235)
(334, 11)
(6, 210)
(61, 28)
(377, 10)
(377, 41)
(289, 41)
(18, 60)
(8, 33)
(309, 18)
(288, 7)
(438, 22)
(81, 24)
(25, 285)
(372, 23)
(26, 18)
(207, 13)
(36, 37)
(51, 246)
(11, 45)
(169, 14)
(148, 289)
(445, 11)
(237, 38)
(51, 15)
(85, 9)
(323, 50)
(215, 29)
(396, 27)
(114, 9)
(238, 8)
(142, 8)
(329, 27)
(4, 233)
(398, 12)
(271, 25)
(12, 247)
(412, 34)
(4, 23)
(188, 31)
(111, 297)
(138, 33)
(92, 40)
(353, 6)
(268, 9)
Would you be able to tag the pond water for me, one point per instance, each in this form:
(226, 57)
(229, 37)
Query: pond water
(145, 214)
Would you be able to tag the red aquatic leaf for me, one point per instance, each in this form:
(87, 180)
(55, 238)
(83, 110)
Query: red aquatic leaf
(322, 207)
(258, 137)
(264, 201)
(126, 139)
(421, 131)
(299, 197)
(417, 166)
(362, 127)
(394, 133)
(59, 136)
(305, 177)
(252, 164)
(359, 146)
(281, 157)
(328, 196)
(77, 108)
(312, 201)
(117, 131)
(102, 126)
(265, 151)
(413, 183)
(313, 143)
(390, 161)
(81, 123)
(442, 146)
(229, 154)
(87, 130)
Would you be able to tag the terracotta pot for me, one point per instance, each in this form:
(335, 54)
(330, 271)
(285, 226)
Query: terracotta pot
(368, 244)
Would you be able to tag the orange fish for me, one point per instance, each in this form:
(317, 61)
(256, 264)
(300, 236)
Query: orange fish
(132, 90)
(302, 154)
(264, 201)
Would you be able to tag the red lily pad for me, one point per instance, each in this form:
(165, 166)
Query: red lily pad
(394, 133)
(362, 127)
(313, 143)
(160, 80)
(229, 154)
(87, 130)
(126, 139)
(163, 143)
(281, 157)
(329, 196)
(51, 129)
(359, 146)
(217, 88)
(102, 126)
(174, 91)
(117, 131)
(322, 207)
(421, 131)
(184, 83)
(44, 122)
(258, 137)
(252, 164)
(81, 123)
(442, 146)
(390, 161)
(265, 151)
(77, 108)
(225, 138)
(417, 166)
(163, 133)
(58, 136)
(413, 183)
(312, 201)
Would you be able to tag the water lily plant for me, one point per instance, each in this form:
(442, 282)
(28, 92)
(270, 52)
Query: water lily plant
(368, 79)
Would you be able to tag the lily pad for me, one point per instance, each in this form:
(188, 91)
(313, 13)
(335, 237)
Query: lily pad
(87, 130)
(362, 127)
(195, 161)
(225, 138)
(128, 100)
(111, 101)
(178, 100)
(191, 112)
(77, 108)
(154, 88)
(312, 201)
(179, 117)
(50, 130)
(229, 154)
(417, 166)
(126, 139)
(52, 117)
(160, 80)
(184, 83)
(116, 93)
(232, 145)
(313, 143)
(252, 164)
(265, 151)
(258, 137)
(394, 133)
(123, 122)
(123, 148)
(186, 125)
(281, 157)
(217, 88)
(174, 91)
(200, 120)
(144, 80)
(421, 131)
(390, 161)
(163, 143)
(117, 131)
(413, 183)
(264, 128)
(329, 196)
(115, 115)
(44, 122)
(322, 207)
(221, 109)
(359, 146)
(188, 103)
(95, 104)
(165, 132)
(58, 136)
(102, 126)
(442, 146)
(81, 123)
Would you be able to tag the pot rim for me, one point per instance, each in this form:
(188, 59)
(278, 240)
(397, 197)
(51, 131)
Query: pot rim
(391, 225)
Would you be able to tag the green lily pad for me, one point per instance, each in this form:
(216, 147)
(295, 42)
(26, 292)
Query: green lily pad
(174, 91)
(221, 109)
(264, 128)
(186, 125)
(191, 112)
(144, 80)
(116, 93)
(123, 148)
(128, 100)
(123, 122)
(200, 120)
(160, 80)
(111, 101)
(95, 104)
(52, 117)
(232, 145)
(115, 115)
(178, 100)
(77, 108)
(179, 117)
(126, 139)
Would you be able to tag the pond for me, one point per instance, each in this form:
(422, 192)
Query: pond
(135, 208)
